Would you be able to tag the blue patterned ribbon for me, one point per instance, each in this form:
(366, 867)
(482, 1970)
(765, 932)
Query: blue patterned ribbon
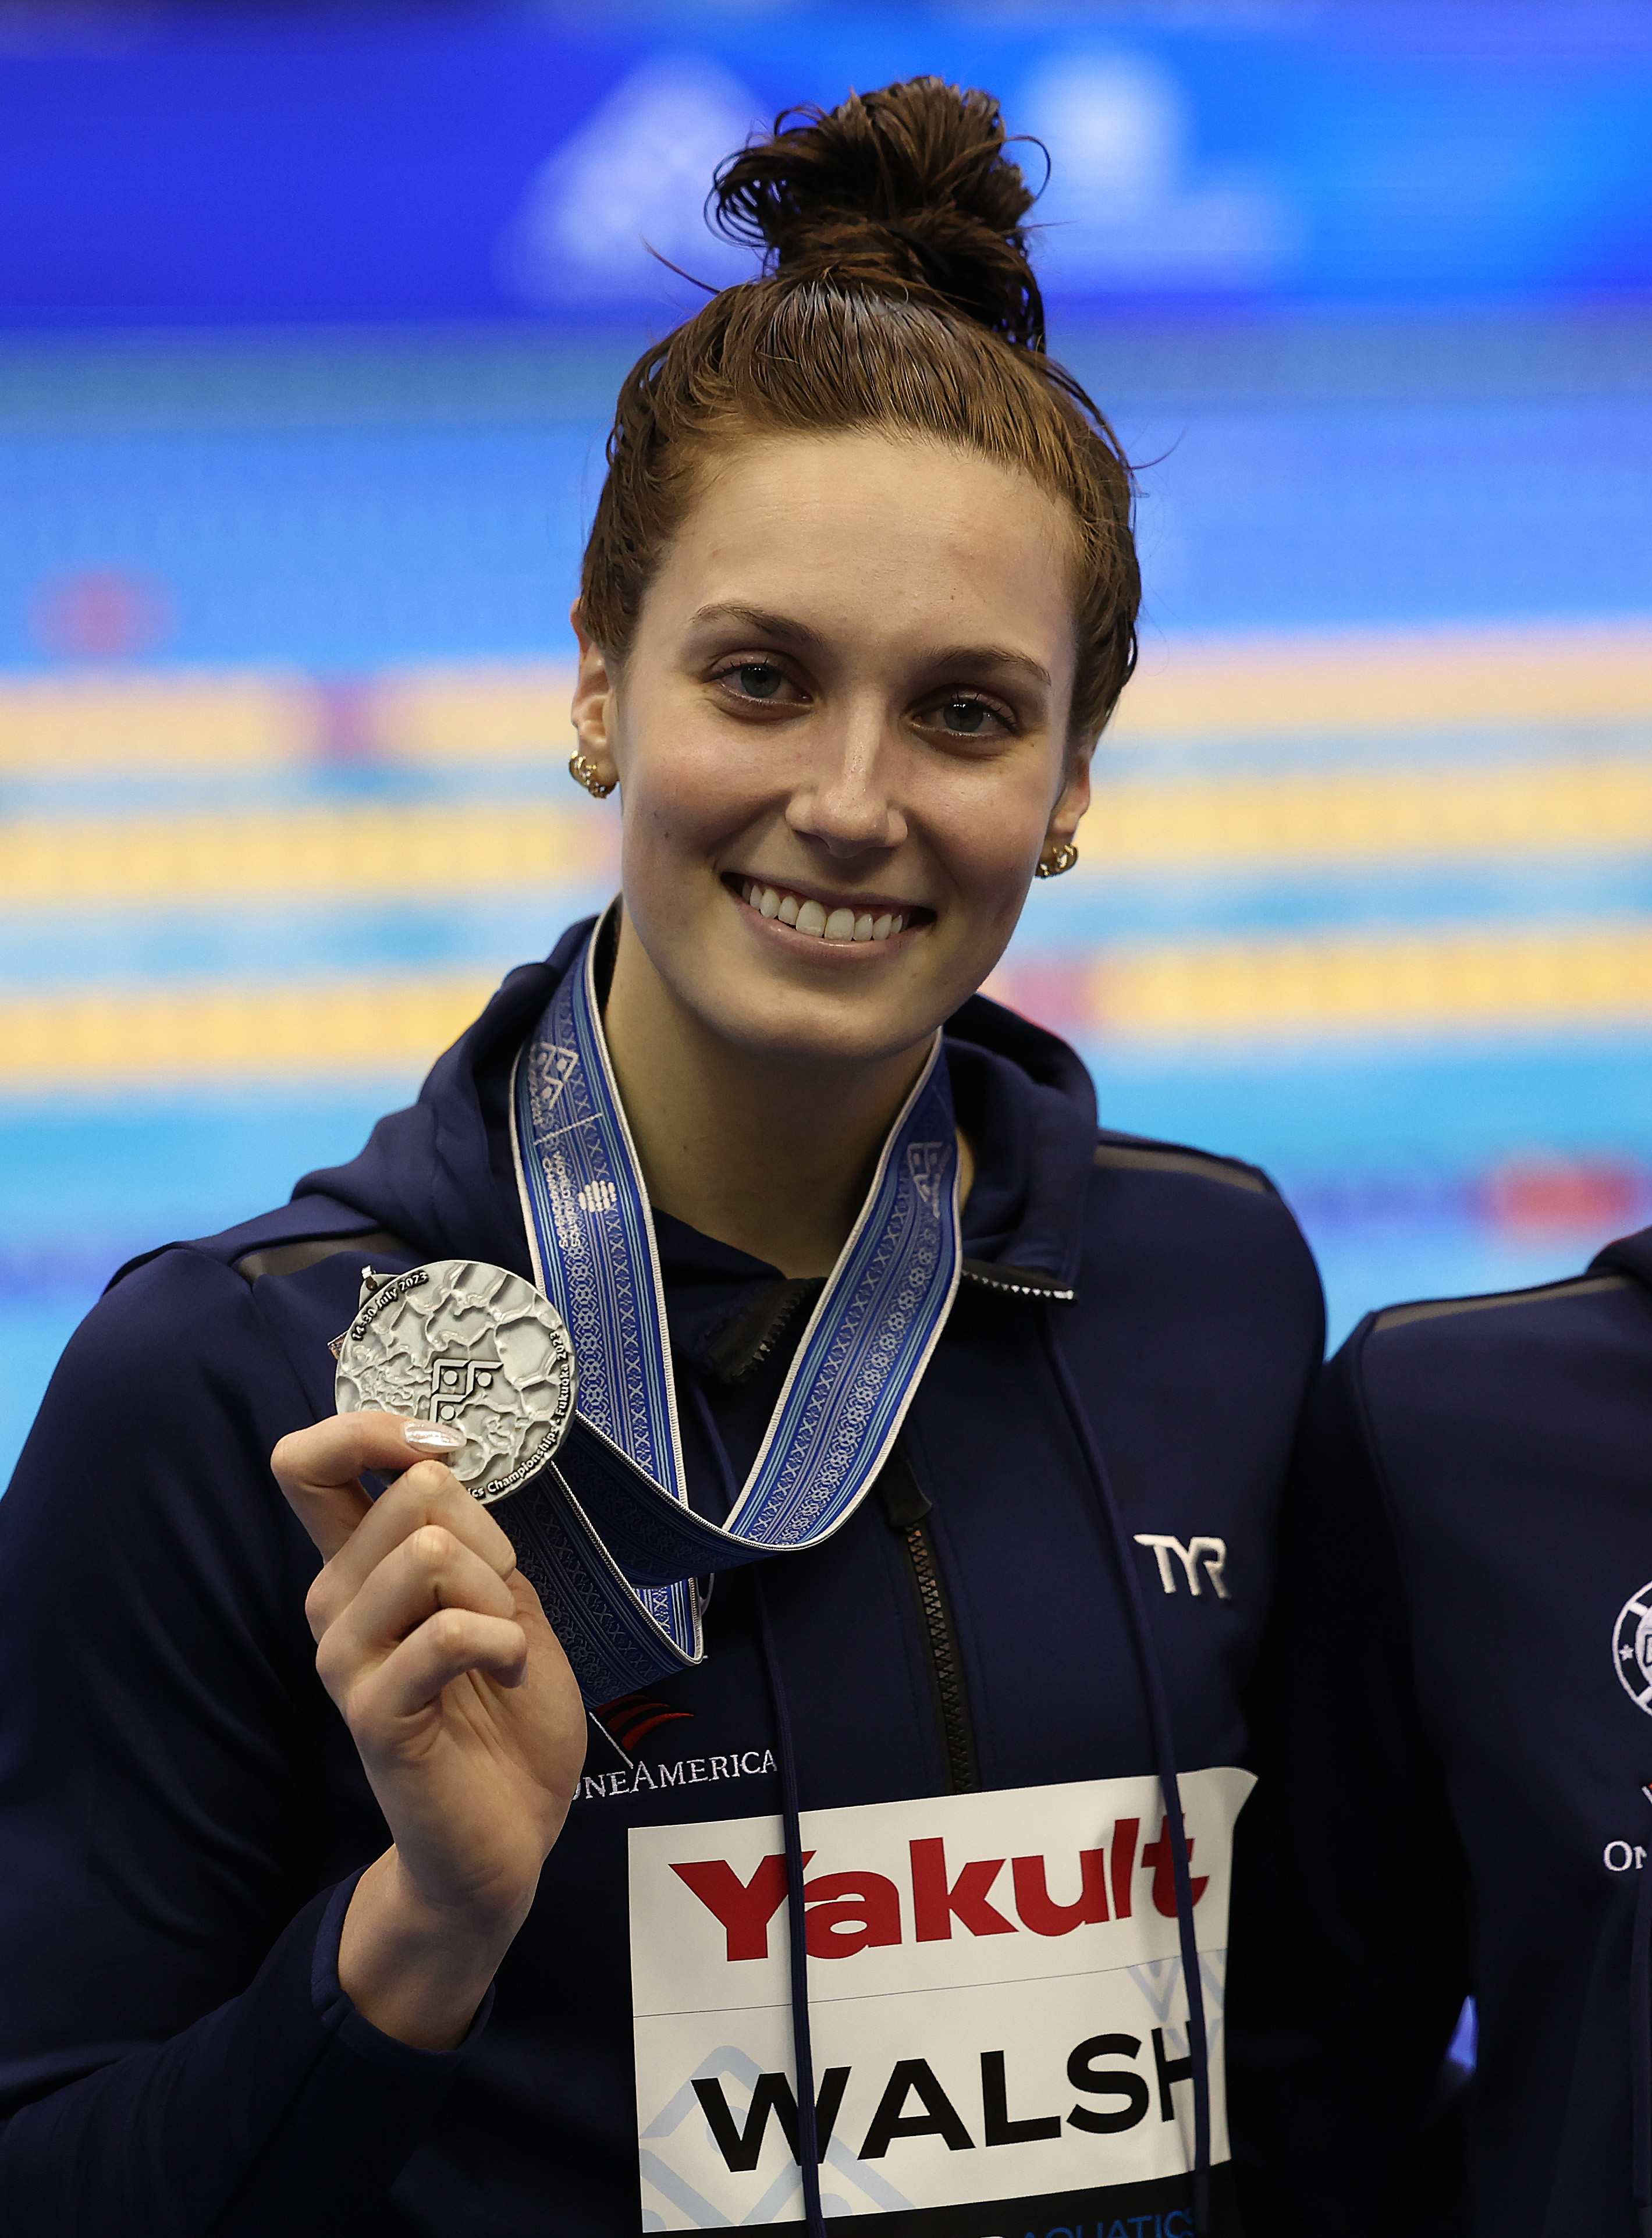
(605, 1533)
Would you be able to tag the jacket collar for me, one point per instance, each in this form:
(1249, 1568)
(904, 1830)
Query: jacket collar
(440, 1173)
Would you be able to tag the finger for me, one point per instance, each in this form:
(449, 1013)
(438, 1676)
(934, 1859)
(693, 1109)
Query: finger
(428, 1493)
(431, 1570)
(319, 1469)
(444, 1647)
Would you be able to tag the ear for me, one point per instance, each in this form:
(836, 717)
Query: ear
(593, 710)
(1072, 801)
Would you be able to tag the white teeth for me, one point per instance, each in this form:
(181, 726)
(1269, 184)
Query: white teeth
(841, 924)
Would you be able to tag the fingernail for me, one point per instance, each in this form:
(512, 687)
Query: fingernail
(433, 1437)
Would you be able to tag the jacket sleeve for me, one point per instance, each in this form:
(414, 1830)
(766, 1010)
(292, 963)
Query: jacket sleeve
(175, 2052)
(1348, 1964)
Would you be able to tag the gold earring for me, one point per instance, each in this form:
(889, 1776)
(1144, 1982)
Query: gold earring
(1058, 860)
(584, 772)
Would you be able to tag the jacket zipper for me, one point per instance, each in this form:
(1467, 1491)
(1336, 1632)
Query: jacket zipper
(906, 1506)
(957, 1727)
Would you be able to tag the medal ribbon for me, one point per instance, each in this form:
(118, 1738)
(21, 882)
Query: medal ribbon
(605, 1533)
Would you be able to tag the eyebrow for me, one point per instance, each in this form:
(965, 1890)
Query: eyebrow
(759, 621)
(762, 623)
(993, 656)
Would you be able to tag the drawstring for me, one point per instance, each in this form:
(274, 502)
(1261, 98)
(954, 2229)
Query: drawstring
(808, 2136)
(1165, 1753)
(797, 1924)
(1641, 2049)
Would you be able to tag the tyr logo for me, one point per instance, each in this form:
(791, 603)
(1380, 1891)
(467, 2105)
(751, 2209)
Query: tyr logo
(1209, 1555)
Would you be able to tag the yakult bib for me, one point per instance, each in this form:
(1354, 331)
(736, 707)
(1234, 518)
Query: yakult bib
(997, 2006)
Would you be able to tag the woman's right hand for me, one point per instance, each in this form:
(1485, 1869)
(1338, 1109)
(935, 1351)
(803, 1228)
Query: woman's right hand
(461, 1703)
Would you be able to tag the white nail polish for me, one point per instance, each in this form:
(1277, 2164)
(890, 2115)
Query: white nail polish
(433, 1437)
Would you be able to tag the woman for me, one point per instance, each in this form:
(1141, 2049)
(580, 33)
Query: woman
(1456, 1776)
(469, 1957)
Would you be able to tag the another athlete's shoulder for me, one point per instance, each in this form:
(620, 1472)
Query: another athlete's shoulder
(1545, 1298)
(1507, 1357)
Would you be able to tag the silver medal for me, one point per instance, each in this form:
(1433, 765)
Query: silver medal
(461, 1342)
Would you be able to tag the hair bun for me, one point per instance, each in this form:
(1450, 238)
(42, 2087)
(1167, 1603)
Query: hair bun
(908, 189)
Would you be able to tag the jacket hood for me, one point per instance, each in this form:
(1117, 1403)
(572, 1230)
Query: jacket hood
(440, 1173)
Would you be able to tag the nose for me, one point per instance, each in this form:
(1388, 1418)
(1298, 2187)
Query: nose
(847, 804)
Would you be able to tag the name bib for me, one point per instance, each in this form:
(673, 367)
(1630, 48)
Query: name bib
(997, 2004)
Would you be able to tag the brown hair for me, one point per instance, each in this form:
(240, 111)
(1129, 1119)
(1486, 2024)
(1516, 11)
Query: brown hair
(897, 294)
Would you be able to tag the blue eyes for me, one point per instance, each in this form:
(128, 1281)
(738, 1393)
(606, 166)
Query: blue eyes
(966, 718)
(960, 715)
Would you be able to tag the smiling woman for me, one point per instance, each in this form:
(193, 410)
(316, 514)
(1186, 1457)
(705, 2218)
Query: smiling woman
(352, 1885)
(868, 718)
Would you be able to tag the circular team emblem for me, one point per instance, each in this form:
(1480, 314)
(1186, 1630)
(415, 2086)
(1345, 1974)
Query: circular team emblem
(471, 1345)
(1632, 1648)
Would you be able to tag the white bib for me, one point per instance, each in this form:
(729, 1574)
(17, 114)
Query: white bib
(996, 2001)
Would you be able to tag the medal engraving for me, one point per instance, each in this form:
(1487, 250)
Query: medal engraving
(467, 1344)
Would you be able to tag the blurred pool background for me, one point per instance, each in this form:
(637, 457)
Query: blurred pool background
(310, 322)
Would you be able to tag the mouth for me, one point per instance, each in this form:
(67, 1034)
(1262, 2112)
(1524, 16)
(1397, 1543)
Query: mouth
(840, 924)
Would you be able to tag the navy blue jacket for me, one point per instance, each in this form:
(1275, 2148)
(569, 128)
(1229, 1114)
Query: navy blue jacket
(1454, 1791)
(183, 1811)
